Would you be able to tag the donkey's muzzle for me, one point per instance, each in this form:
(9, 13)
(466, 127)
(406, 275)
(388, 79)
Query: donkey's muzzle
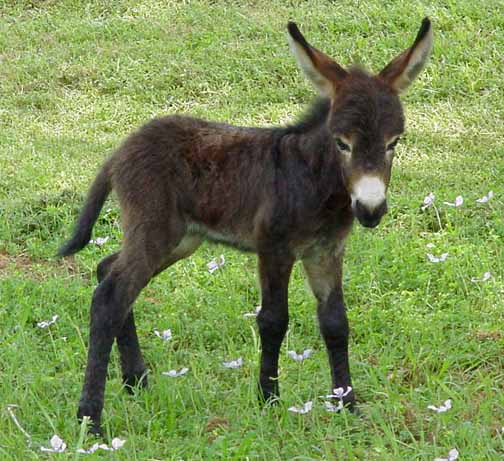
(369, 217)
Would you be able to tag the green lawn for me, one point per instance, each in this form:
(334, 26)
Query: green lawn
(76, 77)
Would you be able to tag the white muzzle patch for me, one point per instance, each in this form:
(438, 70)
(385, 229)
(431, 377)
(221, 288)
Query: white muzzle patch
(369, 191)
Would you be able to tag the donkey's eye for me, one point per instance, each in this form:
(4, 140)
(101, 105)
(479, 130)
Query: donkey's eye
(342, 146)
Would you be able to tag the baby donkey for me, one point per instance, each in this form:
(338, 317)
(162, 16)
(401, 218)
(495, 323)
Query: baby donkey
(287, 194)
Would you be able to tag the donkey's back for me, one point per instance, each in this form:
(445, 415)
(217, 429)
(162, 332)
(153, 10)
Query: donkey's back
(208, 167)
(195, 176)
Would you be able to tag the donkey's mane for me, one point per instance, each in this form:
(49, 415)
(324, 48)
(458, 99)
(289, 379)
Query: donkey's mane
(318, 111)
(312, 118)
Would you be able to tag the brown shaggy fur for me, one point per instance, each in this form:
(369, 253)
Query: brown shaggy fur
(283, 193)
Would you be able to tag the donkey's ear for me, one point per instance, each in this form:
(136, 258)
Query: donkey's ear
(401, 71)
(322, 71)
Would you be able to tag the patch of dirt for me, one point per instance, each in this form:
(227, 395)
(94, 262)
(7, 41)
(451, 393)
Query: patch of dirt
(214, 425)
(38, 269)
(21, 261)
(152, 300)
(216, 422)
(488, 335)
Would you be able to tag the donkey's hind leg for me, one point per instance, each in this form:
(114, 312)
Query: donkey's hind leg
(104, 266)
(133, 367)
(132, 363)
(273, 318)
(144, 252)
(134, 371)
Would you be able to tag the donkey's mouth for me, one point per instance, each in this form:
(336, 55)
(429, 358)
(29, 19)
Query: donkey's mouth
(369, 218)
(370, 223)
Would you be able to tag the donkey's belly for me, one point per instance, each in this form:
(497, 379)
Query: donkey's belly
(240, 242)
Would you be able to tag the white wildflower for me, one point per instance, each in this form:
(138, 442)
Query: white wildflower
(300, 357)
(165, 335)
(57, 445)
(459, 200)
(452, 456)
(486, 276)
(114, 445)
(442, 408)
(339, 393)
(233, 363)
(253, 314)
(90, 450)
(175, 373)
(435, 259)
(117, 443)
(100, 241)
(428, 200)
(430, 245)
(333, 408)
(46, 323)
(486, 198)
(305, 408)
(215, 264)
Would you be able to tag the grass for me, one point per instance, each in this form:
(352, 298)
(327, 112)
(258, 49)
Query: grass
(78, 76)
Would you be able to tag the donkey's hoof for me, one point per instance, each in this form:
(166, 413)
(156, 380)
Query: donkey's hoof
(94, 426)
(135, 381)
(271, 399)
(269, 396)
(350, 404)
(95, 429)
(355, 410)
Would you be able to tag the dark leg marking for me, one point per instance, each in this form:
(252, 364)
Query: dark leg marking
(324, 273)
(134, 371)
(335, 331)
(132, 363)
(111, 314)
(104, 266)
(273, 319)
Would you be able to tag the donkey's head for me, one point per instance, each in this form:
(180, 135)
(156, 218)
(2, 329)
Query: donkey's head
(366, 117)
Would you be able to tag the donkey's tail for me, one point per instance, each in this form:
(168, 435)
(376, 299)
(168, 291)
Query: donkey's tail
(89, 214)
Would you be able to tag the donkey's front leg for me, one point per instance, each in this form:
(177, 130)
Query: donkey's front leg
(334, 328)
(324, 273)
(273, 318)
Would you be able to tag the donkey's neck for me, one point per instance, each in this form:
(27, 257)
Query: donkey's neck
(308, 180)
(310, 146)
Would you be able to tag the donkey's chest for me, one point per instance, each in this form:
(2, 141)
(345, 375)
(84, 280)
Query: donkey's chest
(329, 233)
(304, 248)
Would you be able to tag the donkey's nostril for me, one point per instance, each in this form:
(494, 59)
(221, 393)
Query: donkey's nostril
(380, 209)
(369, 217)
(359, 207)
